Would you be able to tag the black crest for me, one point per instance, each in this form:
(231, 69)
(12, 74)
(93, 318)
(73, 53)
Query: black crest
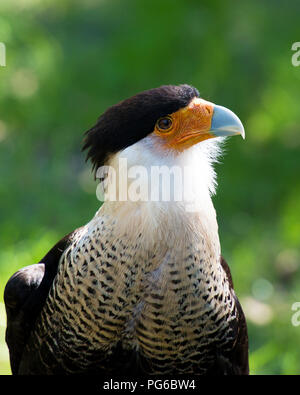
(133, 119)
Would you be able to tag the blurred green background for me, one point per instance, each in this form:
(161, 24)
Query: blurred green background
(67, 61)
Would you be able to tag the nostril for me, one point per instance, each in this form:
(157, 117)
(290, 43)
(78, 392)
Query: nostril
(208, 110)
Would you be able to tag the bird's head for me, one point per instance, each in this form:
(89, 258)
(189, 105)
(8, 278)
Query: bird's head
(172, 118)
(166, 126)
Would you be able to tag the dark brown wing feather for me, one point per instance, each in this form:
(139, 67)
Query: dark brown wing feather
(24, 296)
(237, 361)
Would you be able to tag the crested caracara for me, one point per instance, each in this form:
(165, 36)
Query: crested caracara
(142, 288)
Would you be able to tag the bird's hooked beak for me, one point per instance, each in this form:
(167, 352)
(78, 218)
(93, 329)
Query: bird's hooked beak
(209, 120)
(225, 123)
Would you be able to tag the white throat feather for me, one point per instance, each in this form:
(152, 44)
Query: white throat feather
(170, 220)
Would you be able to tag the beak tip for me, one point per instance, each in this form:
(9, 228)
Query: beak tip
(243, 134)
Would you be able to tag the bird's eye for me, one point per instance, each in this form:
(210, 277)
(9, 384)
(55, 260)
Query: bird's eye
(164, 124)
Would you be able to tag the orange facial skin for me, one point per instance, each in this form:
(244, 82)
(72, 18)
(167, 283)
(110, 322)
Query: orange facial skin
(190, 125)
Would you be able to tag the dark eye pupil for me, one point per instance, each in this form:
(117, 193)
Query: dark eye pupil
(164, 123)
